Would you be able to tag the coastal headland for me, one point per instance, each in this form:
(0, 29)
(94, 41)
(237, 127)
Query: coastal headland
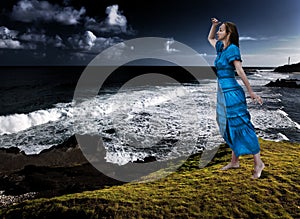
(190, 192)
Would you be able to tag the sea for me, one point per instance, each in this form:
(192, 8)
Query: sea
(164, 120)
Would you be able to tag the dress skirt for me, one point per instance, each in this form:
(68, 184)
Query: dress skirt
(234, 120)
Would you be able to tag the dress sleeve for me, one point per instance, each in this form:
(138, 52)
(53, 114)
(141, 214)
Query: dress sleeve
(234, 53)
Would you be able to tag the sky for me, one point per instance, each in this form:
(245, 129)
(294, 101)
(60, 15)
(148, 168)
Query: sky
(73, 32)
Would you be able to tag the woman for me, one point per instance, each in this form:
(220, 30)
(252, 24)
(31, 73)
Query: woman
(232, 115)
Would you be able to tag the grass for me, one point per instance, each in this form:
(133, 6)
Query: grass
(190, 192)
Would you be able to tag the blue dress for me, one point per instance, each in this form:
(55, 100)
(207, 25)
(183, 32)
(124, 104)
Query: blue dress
(233, 117)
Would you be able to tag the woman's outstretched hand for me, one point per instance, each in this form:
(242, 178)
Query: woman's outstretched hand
(215, 21)
(256, 98)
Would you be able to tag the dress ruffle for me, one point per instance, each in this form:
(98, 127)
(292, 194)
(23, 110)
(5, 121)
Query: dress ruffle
(234, 122)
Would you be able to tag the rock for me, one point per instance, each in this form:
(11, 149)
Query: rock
(65, 154)
(58, 170)
(12, 150)
(64, 169)
(110, 131)
(290, 83)
(288, 68)
(146, 160)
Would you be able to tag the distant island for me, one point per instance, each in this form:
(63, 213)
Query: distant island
(288, 68)
(290, 83)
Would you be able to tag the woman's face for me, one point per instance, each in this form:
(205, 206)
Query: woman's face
(222, 34)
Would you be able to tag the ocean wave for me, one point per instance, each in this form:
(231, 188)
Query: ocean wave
(288, 118)
(19, 122)
(155, 121)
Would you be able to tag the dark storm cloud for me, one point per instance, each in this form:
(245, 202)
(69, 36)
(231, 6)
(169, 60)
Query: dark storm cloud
(84, 28)
(69, 31)
(33, 11)
(31, 38)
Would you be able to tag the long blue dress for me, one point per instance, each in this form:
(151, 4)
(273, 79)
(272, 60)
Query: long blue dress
(233, 118)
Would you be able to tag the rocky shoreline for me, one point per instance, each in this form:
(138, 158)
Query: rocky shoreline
(189, 192)
(59, 170)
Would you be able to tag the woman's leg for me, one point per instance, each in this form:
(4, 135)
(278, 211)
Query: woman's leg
(258, 166)
(234, 162)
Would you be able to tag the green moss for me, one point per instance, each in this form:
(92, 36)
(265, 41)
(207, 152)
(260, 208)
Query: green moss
(190, 192)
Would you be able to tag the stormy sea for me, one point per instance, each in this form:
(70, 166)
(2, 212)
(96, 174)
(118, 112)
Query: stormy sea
(135, 120)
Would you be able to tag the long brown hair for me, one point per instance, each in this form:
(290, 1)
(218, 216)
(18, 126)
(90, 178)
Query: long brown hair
(234, 34)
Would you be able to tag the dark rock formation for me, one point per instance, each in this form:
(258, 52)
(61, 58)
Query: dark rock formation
(288, 68)
(66, 154)
(59, 170)
(64, 169)
(290, 83)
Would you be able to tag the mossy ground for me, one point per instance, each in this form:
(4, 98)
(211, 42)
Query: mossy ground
(190, 192)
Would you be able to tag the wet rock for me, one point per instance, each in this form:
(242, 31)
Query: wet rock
(110, 131)
(290, 83)
(58, 170)
(65, 154)
(65, 169)
(146, 160)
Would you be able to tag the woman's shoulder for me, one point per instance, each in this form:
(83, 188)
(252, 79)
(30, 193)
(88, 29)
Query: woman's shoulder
(232, 48)
(233, 53)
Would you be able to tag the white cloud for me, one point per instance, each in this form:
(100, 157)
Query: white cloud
(81, 45)
(115, 18)
(32, 39)
(285, 49)
(10, 44)
(6, 33)
(168, 46)
(115, 22)
(82, 42)
(115, 53)
(35, 11)
(203, 54)
(87, 41)
(247, 38)
(8, 39)
(90, 42)
(11, 39)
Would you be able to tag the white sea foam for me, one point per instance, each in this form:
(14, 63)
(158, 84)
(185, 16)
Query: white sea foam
(283, 136)
(158, 121)
(19, 122)
(257, 75)
(143, 118)
(288, 118)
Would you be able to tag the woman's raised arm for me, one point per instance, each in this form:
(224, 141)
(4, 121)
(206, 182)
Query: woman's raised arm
(212, 33)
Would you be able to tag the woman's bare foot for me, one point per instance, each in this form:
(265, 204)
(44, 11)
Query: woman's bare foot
(231, 165)
(257, 170)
